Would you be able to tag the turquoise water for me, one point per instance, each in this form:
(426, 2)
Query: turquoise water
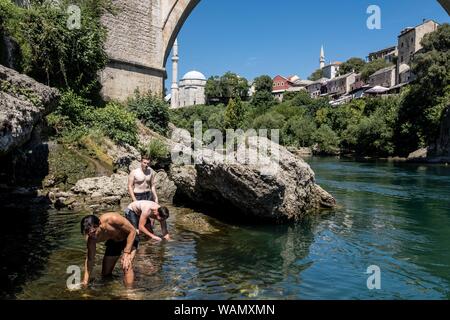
(395, 216)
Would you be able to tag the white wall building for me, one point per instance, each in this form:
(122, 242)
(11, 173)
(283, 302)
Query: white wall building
(191, 89)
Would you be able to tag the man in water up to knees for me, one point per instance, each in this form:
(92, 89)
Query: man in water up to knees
(119, 236)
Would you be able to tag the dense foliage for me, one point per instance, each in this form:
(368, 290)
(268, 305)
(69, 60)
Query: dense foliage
(364, 126)
(50, 50)
(151, 110)
(222, 89)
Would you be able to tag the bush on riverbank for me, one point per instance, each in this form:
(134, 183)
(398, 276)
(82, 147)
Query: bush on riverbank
(75, 117)
(50, 51)
(151, 110)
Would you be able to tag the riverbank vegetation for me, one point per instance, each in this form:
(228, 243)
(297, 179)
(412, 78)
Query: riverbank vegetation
(44, 46)
(372, 126)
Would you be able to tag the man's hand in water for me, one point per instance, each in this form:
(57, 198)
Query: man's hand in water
(126, 261)
(156, 238)
(167, 237)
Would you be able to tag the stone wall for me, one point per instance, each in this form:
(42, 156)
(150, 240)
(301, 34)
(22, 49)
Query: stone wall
(135, 48)
(140, 36)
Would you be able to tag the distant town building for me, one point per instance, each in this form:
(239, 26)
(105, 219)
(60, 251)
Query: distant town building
(341, 85)
(384, 77)
(191, 89)
(288, 84)
(387, 54)
(317, 88)
(330, 71)
(358, 84)
(409, 42)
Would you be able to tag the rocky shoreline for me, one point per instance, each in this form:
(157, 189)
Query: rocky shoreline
(86, 184)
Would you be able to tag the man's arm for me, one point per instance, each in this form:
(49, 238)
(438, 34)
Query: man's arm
(155, 196)
(90, 260)
(143, 221)
(131, 185)
(164, 230)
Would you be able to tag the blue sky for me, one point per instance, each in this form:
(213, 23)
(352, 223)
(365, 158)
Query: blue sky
(254, 37)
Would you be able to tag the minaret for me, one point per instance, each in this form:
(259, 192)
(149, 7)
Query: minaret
(322, 58)
(175, 91)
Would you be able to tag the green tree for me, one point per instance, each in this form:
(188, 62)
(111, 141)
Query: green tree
(151, 110)
(54, 54)
(212, 90)
(298, 131)
(270, 120)
(327, 140)
(300, 98)
(263, 83)
(421, 112)
(316, 75)
(234, 114)
(352, 65)
(117, 123)
(222, 89)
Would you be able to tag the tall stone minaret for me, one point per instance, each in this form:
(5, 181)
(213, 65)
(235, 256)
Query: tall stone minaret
(175, 90)
(322, 58)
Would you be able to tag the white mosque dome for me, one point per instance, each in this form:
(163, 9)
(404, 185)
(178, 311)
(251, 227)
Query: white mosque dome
(194, 75)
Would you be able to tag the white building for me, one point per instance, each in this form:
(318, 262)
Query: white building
(329, 71)
(191, 89)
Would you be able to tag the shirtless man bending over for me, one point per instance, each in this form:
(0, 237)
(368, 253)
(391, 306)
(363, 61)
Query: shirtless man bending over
(140, 214)
(119, 235)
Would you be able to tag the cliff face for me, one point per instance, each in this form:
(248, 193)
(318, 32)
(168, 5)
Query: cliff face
(442, 146)
(23, 104)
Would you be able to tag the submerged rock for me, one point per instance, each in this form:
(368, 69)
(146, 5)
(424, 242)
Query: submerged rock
(195, 222)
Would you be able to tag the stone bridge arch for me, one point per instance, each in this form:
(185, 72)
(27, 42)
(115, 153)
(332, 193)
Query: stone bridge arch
(140, 37)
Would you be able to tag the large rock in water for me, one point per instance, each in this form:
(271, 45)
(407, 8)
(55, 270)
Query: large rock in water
(23, 103)
(280, 187)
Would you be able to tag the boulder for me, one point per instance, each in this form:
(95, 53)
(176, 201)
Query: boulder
(99, 187)
(276, 185)
(418, 154)
(112, 189)
(23, 104)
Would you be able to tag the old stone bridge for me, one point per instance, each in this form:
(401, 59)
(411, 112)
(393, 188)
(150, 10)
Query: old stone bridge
(141, 35)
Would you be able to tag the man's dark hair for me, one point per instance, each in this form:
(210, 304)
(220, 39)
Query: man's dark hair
(163, 212)
(89, 222)
(145, 156)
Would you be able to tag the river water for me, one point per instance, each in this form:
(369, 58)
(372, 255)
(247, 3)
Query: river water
(394, 216)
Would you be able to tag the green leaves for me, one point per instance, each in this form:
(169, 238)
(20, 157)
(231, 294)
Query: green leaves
(151, 110)
(52, 53)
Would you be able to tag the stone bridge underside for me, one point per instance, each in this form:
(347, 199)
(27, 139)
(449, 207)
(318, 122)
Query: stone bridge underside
(140, 36)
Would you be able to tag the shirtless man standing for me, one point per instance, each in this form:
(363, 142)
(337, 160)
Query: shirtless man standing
(119, 235)
(140, 213)
(141, 182)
